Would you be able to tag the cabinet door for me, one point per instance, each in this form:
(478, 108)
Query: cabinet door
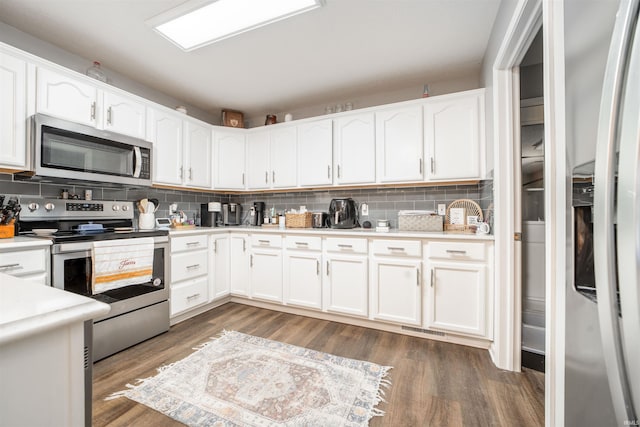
(166, 135)
(258, 171)
(396, 291)
(13, 112)
(315, 153)
(197, 167)
(266, 274)
(67, 98)
(229, 156)
(303, 279)
(454, 137)
(220, 267)
(124, 115)
(355, 149)
(399, 144)
(284, 166)
(457, 298)
(239, 264)
(347, 284)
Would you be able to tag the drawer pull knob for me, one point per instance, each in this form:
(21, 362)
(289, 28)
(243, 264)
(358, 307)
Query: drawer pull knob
(10, 266)
(453, 251)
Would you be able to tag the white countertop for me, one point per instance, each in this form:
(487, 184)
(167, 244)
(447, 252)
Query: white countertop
(352, 232)
(23, 242)
(28, 308)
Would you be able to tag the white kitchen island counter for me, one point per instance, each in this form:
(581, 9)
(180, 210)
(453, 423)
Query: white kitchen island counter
(42, 353)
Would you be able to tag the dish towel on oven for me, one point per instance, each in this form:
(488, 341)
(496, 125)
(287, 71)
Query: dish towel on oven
(118, 263)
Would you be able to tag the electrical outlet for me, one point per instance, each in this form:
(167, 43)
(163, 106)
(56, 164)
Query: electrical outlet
(442, 209)
(173, 208)
(365, 209)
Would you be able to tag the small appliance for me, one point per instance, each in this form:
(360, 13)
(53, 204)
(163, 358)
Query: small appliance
(343, 213)
(319, 219)
(256, 215)
(210, 214)
(231, 214)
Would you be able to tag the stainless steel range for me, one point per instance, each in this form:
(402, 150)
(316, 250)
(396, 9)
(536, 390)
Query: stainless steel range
(138, 311)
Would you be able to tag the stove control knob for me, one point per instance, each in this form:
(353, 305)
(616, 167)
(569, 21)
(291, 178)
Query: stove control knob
(33, 206)
(49, 207)
(115, 207)
(125, 208)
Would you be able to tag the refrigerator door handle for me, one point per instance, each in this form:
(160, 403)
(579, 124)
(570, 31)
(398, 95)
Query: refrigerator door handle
(628, 240)
(603, 227)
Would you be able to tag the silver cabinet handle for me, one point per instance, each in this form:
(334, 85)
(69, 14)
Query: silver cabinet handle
(10, 266)
(263, 242)
(190, 174)
(329, 171)
(244, 245)
(181, 172)
(93, 110)
(417, 277)
(327, 267)
(194, 296)
(420, 167)
(193, 244)
(395, 248)
(266, 177)
(273, 177)
(453, 251)
(433, 165)
(109, 116)
(345, 246)
(433, 277)
(215, 246)
(302, 244)
(193, 267)
(251, 260)
(317, 267)
(338, 171)
(242, 178)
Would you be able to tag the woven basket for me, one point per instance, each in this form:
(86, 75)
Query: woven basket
(298, 220)
(471, 208)
(419, 221)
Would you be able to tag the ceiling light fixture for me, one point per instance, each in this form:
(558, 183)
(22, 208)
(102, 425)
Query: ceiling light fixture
(197, 23)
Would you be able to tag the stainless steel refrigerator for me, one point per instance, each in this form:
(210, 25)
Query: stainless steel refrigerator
(602, 358)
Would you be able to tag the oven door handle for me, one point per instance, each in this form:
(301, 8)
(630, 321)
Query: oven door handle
(137, 157)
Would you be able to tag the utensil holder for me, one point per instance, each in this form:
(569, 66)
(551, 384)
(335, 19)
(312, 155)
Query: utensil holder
(8, 231)
(146, 221)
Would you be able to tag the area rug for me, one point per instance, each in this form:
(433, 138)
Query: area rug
(242, 380)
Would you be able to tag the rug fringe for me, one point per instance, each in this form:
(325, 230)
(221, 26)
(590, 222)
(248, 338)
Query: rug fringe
(384, 383)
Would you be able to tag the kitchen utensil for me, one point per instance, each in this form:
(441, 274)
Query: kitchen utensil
(156, 203)
(151, 207)
(44, 231)
(144, 203)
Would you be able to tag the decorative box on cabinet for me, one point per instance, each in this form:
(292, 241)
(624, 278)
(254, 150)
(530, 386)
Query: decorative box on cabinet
(189, 272)
(460, 293)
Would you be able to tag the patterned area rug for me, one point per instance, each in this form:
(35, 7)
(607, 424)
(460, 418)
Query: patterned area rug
(242, 380)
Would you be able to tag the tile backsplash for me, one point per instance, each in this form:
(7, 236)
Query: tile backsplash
(384, 203)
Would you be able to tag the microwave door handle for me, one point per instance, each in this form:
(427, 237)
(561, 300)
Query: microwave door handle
(603, 226)
(137, 157)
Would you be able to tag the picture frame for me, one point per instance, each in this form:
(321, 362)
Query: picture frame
(232, 118)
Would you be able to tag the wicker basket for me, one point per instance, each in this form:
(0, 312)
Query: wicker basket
(471, 208)
(298, 220)
(419, 221)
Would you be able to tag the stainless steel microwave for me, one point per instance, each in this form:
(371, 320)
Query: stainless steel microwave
(63, 151)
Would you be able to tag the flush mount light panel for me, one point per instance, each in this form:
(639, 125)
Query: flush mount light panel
(198, 23)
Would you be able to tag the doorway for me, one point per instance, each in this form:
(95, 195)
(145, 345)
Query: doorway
(532, 205)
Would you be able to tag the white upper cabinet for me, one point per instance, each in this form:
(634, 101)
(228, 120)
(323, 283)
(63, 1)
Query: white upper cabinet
(166, 133)
(124, 115)
(258, 169)
(62, 96)
(315, 153)
(454, 136)
(399, 144)
(355, 149)
(284, 171)
(197, 154)
(13, 112)
(229, 155)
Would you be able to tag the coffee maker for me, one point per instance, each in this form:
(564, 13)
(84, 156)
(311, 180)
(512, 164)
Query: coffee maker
(232, 214)
(210, 214)
(256, 214)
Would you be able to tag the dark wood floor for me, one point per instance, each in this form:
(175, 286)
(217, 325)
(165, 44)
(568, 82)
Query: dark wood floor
(433, 383)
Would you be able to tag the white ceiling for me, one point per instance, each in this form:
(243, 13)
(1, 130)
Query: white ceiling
(345, 49)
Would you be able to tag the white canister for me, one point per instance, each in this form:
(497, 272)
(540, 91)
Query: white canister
(146, 221)
(88, 194)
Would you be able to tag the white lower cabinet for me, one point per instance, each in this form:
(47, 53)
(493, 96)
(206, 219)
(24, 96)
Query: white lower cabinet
(346, 276)
(239, 264)
(28, 264)
(459, 295)
(189, 272)
(396, 282)
(266, 268)
(219, 286)
(302, 271)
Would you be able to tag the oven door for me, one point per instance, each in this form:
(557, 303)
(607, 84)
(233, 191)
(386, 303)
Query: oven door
(72, 271)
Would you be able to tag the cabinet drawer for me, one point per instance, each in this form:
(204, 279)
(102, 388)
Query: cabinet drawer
(411, 248)
(188, 294)
(351, 246)
(464, 251)
(19, 263)
(188, 265)
(188, 243)
(303, 242)
(266, 241)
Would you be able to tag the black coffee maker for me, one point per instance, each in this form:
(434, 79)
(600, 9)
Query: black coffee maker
(210, 214)
(256, 214)
(343, 213)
